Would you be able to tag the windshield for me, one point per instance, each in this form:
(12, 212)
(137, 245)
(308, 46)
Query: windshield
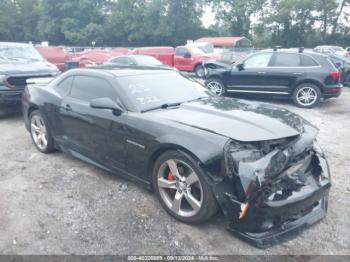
(147, 61)
(170, 88)
(19, 53)
(338, 48)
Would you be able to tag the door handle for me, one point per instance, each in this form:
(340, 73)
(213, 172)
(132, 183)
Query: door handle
(68, 108)
(298, 73)
(262, 73)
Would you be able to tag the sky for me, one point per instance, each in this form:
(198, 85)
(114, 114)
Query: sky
(209, 17)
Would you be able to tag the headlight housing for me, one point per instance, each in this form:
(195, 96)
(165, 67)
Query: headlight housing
(235, 152)
(253, 161)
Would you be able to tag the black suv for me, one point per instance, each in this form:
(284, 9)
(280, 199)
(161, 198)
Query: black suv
(303, 76)
(19, 62)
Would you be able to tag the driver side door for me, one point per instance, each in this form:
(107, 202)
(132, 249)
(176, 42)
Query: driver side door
(252, 77)
(182, 59)
(90, 133)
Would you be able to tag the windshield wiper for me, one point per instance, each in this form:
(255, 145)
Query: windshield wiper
(163, 106)
(198, 99)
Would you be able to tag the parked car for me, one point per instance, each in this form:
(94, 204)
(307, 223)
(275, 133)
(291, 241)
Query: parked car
(304, 77)
(259, 163)
(328, 49)
(183, 58)
(92, 57)
(55, 55)
(343, 64)
(225, 60)
(19, 62)
(136, 60)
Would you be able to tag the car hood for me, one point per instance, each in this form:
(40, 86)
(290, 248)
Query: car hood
(218, 64)
(237, 119)
(27, 68)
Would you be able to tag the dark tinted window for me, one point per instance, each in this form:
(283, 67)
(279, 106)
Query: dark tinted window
(120, 60)
(64, 86)
(88, 88)
(308, 61)
(181, 51)
(287, 60)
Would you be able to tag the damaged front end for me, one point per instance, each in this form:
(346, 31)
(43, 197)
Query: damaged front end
(272, 190)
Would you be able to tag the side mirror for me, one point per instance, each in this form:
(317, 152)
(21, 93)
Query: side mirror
(240, 66)
(187, 55)
(106, 103)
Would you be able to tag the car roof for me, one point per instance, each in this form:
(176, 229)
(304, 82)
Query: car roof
(132, 55)
(123, 71)
(327, 46)
(294, 51)
(14, 44)
(340, 57)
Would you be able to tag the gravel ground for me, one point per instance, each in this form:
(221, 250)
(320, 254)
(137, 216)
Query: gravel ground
(54, 204)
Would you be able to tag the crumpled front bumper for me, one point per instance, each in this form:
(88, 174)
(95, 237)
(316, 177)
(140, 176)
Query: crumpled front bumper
(270, 221)
(288, 229)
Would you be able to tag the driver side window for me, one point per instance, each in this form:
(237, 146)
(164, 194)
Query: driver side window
(181, 52)
(258, 61)
(87, 88)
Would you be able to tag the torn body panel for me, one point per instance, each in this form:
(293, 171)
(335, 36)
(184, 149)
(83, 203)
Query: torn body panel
(272, 191)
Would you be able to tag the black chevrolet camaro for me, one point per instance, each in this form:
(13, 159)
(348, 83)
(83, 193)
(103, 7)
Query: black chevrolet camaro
(258, 163)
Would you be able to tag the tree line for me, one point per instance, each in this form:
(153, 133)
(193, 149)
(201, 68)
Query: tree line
(171, 22)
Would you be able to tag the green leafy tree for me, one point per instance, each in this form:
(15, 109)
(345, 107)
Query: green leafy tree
(237, 15)
(76, 22)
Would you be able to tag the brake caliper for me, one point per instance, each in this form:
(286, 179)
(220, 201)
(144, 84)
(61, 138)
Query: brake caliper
(171, 178)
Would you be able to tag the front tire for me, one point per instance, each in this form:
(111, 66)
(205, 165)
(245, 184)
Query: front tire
(182, 189)
(307, 95)
(40, 133)
(199, 71)
(216, 86)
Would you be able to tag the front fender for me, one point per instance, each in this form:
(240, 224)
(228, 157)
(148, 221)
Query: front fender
(204, 150)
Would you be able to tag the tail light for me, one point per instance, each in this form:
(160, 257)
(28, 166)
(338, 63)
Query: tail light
(335, 74)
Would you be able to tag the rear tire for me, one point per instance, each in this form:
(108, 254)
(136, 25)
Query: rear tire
(307, 95)
(182, 189)
(40, 132)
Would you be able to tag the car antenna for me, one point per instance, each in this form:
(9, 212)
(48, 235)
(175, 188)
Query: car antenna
(301, 49)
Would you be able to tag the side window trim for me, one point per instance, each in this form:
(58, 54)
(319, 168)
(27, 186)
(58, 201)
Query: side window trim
(272, 60)
(71, 87)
